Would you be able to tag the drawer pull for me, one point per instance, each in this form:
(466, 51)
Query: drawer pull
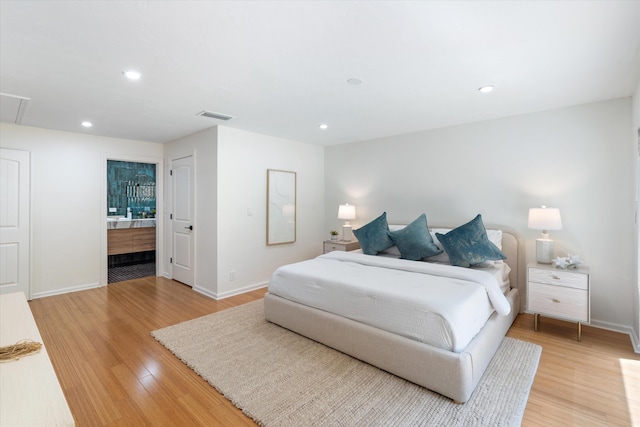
(555, 300)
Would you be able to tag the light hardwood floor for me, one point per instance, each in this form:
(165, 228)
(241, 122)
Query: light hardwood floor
(114, 373)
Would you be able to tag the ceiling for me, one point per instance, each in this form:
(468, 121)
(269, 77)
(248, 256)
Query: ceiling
(281, 67)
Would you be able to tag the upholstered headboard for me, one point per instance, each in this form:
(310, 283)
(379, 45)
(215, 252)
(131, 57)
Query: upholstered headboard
(513, 248)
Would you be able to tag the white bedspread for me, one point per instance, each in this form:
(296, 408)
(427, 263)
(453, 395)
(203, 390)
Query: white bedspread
(441, 305)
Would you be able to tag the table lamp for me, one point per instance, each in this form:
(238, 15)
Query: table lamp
(544, 219)
(347, 212)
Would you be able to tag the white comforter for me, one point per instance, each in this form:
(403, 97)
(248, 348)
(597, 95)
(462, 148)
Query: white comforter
(437, 304)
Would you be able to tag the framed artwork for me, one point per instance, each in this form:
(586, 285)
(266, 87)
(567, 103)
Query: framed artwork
(281, 207)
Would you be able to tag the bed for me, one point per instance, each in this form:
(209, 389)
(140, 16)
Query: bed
(451, 366)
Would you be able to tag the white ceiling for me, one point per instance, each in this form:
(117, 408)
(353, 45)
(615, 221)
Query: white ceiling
(281, 68)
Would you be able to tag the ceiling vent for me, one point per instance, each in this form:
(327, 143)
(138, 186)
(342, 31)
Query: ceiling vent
(213, 115)
(13, 107)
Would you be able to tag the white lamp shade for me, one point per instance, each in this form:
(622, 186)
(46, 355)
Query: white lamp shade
(545, 219)
(347, 212)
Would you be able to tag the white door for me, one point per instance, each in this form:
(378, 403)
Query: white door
(638, 222)
(182, 220)
(14, 221)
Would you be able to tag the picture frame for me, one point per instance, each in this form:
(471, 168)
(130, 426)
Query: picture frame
(281, 207)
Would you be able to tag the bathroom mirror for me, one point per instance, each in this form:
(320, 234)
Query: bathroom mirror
(281, 207)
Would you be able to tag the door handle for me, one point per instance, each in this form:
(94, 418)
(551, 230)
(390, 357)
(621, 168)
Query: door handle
(189, 228)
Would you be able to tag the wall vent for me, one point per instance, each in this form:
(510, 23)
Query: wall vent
(13, 107)
(213, 115)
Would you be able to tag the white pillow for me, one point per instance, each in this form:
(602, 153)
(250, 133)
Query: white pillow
(393, 250)
(443, 257)
(495, 237)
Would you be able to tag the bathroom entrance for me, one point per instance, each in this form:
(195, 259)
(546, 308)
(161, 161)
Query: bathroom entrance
(131, 220)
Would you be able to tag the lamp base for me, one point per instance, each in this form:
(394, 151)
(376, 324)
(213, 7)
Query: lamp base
(544, 251)
(347, 233)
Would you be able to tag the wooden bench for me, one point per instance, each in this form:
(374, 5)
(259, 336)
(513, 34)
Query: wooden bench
(30, 394)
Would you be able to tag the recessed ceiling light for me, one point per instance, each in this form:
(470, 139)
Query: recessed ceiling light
(485, 89)
(132, 74)
(323, 126)
(354, 81)
(87, 124)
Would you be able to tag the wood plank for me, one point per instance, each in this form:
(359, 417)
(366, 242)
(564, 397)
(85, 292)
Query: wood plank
(143, 239)
(130, 240)
(119, 241)
(114, 373)
(580, 383)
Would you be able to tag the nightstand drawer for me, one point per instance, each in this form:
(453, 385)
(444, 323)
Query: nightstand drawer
(567, 303)
(573, 279)
(330, 246)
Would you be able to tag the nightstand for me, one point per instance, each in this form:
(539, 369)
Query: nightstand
(339, 245)
(562, 294)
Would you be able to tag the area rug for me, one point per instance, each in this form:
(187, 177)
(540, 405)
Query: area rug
(279, 378)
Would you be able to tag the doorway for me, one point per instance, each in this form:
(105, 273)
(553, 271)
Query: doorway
(131, 220)
(182, 220)
(15, 237)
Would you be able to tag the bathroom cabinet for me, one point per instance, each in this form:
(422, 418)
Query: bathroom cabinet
(129, 240)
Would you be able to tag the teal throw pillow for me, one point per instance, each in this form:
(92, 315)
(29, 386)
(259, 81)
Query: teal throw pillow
(414, 241)
(374, 237)
(469, 245)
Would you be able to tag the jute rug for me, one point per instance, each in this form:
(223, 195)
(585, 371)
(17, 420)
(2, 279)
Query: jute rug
(279, 378)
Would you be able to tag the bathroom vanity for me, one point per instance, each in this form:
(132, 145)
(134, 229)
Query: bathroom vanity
(126, 236)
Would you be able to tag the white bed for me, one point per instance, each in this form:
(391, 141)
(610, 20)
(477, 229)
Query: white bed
(372, 308)
(437, 304)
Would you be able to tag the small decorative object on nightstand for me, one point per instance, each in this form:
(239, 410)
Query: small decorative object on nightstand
(330, 245)
(570, 261)
(562, 294)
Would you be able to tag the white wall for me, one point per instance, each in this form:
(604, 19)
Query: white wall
(68, 173)
(68, 223)
(576, 159)
(243, 160)
(203, 146)
(231, 172)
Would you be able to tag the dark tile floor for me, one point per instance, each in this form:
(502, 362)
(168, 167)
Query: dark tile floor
(128, 272)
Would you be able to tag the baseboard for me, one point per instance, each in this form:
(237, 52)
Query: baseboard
(621, 329)
(231, 293)
(204, 291)
(65, 290)
(196, 288)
